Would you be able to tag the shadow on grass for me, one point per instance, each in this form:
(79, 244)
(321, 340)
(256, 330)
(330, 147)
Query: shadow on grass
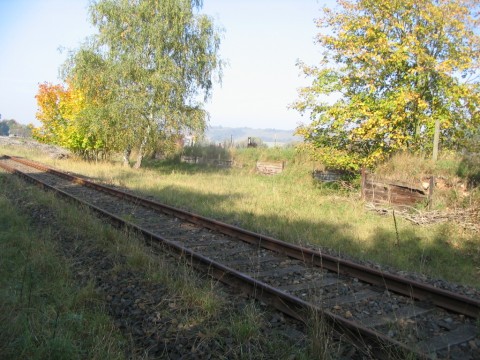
(173, 166)
(404, 249)
(443, 254)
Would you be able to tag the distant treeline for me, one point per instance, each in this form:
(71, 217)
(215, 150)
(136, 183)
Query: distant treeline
(12, 128)
(220, 134)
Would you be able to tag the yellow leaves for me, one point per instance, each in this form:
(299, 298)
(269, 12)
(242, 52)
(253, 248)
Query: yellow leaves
(58, 108)
(400, 67)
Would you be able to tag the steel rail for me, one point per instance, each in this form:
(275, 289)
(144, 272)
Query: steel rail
(407, 287)
(374, 342)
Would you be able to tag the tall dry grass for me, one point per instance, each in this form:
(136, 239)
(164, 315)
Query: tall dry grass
(291, 207)
(48, 316)
(44, 313)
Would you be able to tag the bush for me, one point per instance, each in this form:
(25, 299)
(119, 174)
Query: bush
(469, 168)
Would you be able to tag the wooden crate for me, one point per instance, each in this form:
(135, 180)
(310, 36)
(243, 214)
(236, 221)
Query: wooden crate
(190, 159)
(378, 190)
(270, 168)
(224, 163)
(330, 175)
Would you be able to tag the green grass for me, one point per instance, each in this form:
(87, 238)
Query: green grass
(43, 313)
(46, 315)
(291, 207)
(247, 326)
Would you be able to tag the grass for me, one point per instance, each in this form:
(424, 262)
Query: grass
(248, 326)
(291, 207)
(320, 343)
(457, 177)
(45, 314)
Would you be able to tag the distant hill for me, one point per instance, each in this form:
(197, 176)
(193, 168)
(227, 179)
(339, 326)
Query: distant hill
(220, 134)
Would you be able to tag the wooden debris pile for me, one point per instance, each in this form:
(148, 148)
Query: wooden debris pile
(270, 168)
(467, 218)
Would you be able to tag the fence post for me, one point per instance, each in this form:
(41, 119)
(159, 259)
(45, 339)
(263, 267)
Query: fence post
(430, 192)
(363, 183)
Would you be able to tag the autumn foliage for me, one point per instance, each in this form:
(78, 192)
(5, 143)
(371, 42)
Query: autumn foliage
(394, 75)
(60, 111)
(138, 83)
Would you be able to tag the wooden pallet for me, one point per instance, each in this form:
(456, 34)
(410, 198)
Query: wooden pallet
(270, 168)
(378, 190)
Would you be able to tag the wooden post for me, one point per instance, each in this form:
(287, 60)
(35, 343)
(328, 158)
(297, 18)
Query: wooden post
(436, 139)
(430, 192)
(363, 183)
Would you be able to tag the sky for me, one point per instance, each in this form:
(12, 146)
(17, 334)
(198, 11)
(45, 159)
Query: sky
(262, 41)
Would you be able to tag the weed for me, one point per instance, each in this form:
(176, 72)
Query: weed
(72, 321)
(290, 207)
(319, 335)
(42, 316)
(246, 325)
(287, 206)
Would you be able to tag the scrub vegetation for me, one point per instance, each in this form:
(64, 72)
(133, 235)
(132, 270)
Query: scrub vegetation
(53, 306)
(293, 207)
(44, 314)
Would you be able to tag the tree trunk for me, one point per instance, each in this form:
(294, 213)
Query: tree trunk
(141, 150)
(436, 140)
(126, 156)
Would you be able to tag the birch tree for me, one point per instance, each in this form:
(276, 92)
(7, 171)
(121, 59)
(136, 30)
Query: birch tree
(148, 70)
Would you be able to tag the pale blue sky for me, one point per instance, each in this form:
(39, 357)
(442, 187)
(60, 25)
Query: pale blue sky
(262, 41)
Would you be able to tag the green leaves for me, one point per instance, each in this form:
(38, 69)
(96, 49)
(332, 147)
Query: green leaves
(390, 70)
(145, 71)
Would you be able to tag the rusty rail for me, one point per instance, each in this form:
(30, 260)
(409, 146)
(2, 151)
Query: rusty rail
(287, 303)
(414, 289)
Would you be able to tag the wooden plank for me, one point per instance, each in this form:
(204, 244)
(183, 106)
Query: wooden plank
(224, 254)
(352, 298)
(400, 184)
(394, 192)
(270, 168)
(278, 271)
(224, 163)
(250, 261)
(318, 284)
(190, 159)
(201, 160)
(329, 175)
(409, 311)
(376, 195)
(187, 241)
(377, 188)
(406, 195)
(460, 335)
(405, 200)
(380, 191)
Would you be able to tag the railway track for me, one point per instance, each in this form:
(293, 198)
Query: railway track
(384, 315)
